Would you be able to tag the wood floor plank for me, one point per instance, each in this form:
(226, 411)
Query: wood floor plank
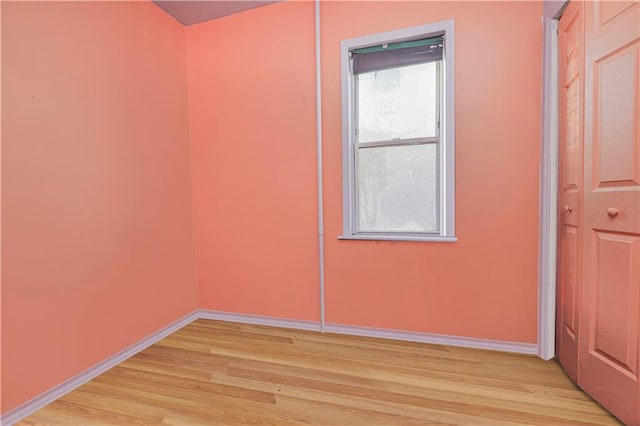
(203, 387)
(412, 385)
(339, 414)
(176, 403)
(182, 403)
(223, 373)
(428, 415)
(456, 402)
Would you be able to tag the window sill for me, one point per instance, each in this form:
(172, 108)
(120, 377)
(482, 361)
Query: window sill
(434, 238)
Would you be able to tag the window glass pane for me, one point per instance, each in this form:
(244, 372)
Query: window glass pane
(397, 103)
(397, 188)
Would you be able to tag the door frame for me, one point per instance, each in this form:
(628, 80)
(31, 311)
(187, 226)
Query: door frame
(548, 197)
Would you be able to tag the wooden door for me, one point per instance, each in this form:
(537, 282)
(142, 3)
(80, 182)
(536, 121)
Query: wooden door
(610, 331)
(570, 178)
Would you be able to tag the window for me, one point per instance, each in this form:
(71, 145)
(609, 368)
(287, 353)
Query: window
(398, 135)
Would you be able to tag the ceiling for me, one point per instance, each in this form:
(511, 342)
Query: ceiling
(190, 12)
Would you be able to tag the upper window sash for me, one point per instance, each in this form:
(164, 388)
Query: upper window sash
(399, 140)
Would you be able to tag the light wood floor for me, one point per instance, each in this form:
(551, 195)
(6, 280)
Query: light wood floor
(213, 372)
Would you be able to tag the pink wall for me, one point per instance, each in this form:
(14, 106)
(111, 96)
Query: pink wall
(97, 244)
(251, 87)
(252, 111)
(485, 285)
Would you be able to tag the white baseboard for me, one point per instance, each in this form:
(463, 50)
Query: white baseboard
(259, 320)
(34, 404)
(435, 339)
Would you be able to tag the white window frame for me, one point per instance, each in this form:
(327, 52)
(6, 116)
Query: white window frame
(446, 151)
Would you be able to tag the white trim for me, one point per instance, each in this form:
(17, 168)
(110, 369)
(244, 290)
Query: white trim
(436, 339)
(548, 193)
(319, 166)
(47, 397)
(34, 404)
(259, 320)
(448, 135)
(398, 237)
(447, 158)
(348, 178)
